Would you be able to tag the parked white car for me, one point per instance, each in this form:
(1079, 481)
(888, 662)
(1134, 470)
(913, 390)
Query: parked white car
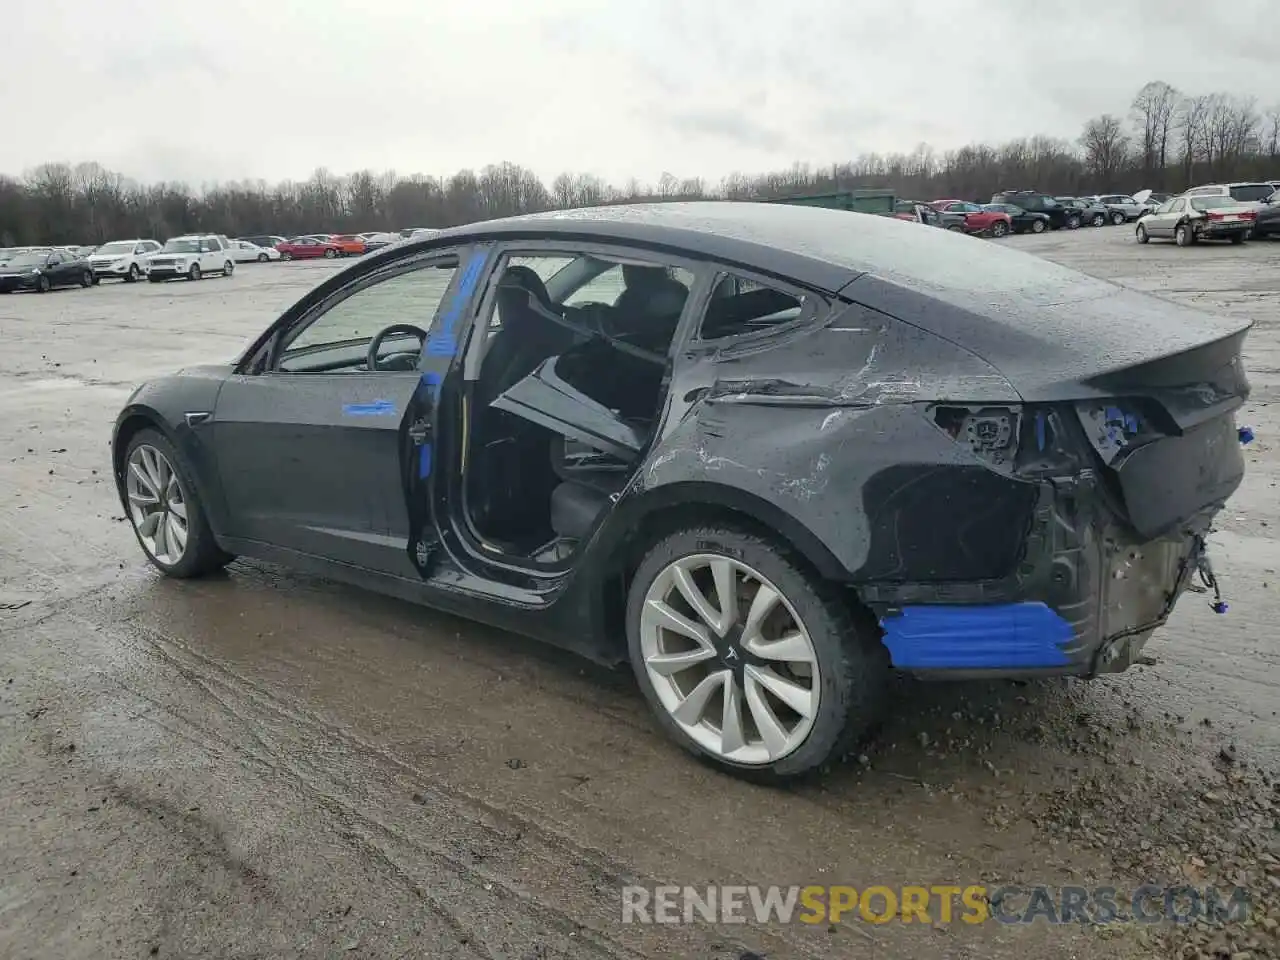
(1122, 206)
(242, 251)
(122, 259)
(192, 256)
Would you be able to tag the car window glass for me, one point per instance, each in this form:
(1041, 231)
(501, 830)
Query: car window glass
(1177, 206)
(739, 305)
(1250, 193)
(339, 337)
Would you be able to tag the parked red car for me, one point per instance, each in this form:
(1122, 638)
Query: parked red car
(976, 218)
(304, 248)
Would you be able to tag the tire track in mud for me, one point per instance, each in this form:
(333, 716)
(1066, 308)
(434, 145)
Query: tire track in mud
(471, 823)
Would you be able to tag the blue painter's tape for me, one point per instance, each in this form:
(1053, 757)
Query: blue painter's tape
(424, 461)
(977, 637)
(442, 345)
(1040, 432)
(434, 382)
(374, 408)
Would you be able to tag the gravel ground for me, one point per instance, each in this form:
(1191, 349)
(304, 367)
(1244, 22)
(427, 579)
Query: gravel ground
(266, 765)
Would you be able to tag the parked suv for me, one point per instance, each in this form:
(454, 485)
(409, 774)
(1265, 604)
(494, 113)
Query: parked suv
(192, 257)
(1033, 201)
(123, 259)
(1122, 206)
(1257, 194)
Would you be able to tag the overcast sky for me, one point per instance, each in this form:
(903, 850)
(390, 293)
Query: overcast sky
(205, 90)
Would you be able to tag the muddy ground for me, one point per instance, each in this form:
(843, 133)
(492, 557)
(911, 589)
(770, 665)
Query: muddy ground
(266, 765)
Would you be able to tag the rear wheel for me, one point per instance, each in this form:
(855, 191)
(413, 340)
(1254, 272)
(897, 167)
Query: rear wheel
(1117, 217)
(1037, 226)
(133, 274)
(1141, 234)
(86, 279)
(165, 509)
(749, 660)
(1182, 235)
(286, 255)
(1073, 223)
(1237, 238)
(999, 229)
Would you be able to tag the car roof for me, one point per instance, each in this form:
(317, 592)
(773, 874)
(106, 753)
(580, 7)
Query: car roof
(822, 248)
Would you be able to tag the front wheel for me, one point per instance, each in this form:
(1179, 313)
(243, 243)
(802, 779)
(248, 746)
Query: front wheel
(194, 272)
(1037, 226)
(42, 284)
(749, 660)
(999, 229)
(86, 279)
(133, 274)
(1141, 234)
(165, 509)
(286, 256)
(1117, 217)
(263, 258)
(1099, 220)
(1073, 223)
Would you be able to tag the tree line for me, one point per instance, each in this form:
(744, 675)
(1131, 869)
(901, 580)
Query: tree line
(1166, 140)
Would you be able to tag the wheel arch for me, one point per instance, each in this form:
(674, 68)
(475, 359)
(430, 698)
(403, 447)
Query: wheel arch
(656, 514)
(133, 420)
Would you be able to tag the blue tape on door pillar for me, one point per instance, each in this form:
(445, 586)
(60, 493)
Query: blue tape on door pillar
(444, 343)
(424, 461)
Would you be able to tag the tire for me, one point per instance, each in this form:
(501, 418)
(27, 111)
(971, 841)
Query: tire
(200, 553)
(155, 279)
(1141, 234)
(1099, 220)
(263, 258)
(1182, 235)
(1073, 223)
(1117, 217)
(133, 275)
(286, 256)
(228, 268)
(86, 279)
(330, 253)
(847, 668)
(1037, 226)
(999, 229)
(1237, 238)
(43, 285)
(955, 228)
(194, 273)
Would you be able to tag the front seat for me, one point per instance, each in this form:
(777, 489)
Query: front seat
(527, 337)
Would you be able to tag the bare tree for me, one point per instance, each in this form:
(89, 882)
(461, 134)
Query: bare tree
(1106, 147)
(1153, 110)
(1272, 135)
(1192, 116)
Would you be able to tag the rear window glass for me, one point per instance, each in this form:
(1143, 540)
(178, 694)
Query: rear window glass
(739, 306)
(1252, 192)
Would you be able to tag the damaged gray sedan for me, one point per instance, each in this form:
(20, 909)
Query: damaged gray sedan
(765, 454)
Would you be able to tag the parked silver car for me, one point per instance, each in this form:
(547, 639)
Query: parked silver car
(1122, 206)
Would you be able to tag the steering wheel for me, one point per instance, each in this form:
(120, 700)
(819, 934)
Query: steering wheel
(371, 359)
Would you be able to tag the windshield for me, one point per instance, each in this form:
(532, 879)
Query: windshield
(119, 246)
(29, 259)
(182, 246)
(1252, 192)
(1214, 203)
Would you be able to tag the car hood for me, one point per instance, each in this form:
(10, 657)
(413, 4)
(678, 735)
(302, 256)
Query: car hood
(1053, 333)
(6, 271)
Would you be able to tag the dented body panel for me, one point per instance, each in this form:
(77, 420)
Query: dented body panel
(1012, 465)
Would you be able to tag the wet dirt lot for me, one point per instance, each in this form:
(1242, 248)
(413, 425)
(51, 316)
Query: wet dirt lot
(266, 765)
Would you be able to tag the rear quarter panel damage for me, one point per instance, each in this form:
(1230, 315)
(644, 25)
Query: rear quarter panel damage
(833, 428)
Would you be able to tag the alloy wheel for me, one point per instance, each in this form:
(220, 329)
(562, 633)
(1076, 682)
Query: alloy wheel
(729, 659)
(157, 504)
